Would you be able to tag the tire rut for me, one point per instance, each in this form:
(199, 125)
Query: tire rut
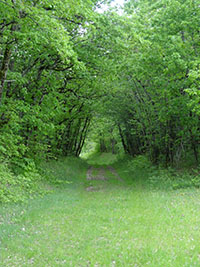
(99, 174)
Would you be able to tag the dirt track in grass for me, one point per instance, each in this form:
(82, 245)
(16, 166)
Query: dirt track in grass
(100, 174)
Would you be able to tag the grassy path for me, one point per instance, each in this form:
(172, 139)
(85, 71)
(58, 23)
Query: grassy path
(120, 224)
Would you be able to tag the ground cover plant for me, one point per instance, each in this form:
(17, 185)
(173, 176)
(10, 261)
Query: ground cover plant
(18, 187)
(122, 223)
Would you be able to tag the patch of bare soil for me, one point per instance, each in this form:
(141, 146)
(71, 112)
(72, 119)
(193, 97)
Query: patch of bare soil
(91, 189)
(113, 171)
(99, 176)
(95, 174)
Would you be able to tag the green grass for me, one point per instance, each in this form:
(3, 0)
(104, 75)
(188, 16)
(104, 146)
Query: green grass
(127, 223)
(100, 159)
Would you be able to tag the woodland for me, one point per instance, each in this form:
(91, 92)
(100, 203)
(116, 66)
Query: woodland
(71, 76)
(65, 65)
(99, 133)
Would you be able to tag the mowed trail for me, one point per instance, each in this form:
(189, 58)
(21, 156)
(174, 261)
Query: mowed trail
(101, 174)
(118, 223)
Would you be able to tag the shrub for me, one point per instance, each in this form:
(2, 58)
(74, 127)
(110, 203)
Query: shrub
(140, 163)
(18, 187)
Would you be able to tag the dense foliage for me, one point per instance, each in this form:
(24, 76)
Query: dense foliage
(135, 76)
(156, 100)
(48, 82)
(47, 77)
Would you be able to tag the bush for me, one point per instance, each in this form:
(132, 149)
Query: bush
(140, 163)
(19, 187)
(161, 178)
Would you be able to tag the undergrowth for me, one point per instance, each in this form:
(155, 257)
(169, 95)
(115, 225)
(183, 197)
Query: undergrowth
(64, 171)
(26, 180)
(21, 185)
(156, 176)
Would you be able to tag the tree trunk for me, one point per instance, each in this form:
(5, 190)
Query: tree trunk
(5, 62)
(4, 69)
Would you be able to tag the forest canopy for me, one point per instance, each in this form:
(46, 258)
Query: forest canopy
(128, 80)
